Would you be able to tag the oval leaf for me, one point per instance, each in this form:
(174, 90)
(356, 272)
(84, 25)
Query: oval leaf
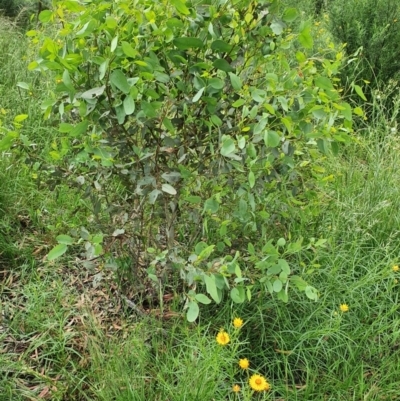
(277, 286)
(197, 96)
(169, 189)
(65, 239)
(228, 147)
(271, 139)
(235, 81)
(360, 92)
(192, 312)
(186, 43)
(203, 299)
(129, 105)
(57, 251)
(252, 179)
(238, 295)
(212, 288)
(118, 79)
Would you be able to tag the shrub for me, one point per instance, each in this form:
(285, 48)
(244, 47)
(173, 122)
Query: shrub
(370, 29)
(209, 126)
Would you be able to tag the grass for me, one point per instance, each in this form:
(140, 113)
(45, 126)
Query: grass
(67, 334)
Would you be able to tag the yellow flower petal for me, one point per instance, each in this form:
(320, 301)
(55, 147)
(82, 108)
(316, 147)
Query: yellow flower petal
(258, 383)
(244, 363)
(237, 322)
(223, 338)
(236, 388)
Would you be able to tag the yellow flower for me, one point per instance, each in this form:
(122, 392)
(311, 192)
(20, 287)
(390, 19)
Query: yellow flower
(395, 268)
(344, 308)
(236, 388)
(258, 383)
(222, 338)
(244, 363)
(238, 322)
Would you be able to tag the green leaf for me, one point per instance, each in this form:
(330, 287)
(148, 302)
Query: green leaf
(299, 282)
(197, 96)
(235, 81)
(216, 120)
(149, 110)
(221, 46)
(120, 112)
(8, 140)
(252, 179)
(161, 77)
(290, 14)
(211, 205)
(277, 27)
(305, 38)
(222, 64)
(228, 147)
(180, 7)
(200, 246)
(129, 50)
(103, 69)
(64, 239)
(129, 105)
(119, 80)
(169, 189)
(318, 112)
(93, 93)
(73, 5)
(193, 199)
(97, 238)
(186, 43)
(23, 85)
(311, 293)
(324, 83)
(192, 312)
(67, 81)
(206, 253)
(216, 83)
(114, 44)
(238, 295)
(153, 195)
(203, 299)
(65, 128)
(274, 269)
(282, 296)
(57, 251)
(80, 129)
(45, 16)
(272, 139)
(212, 288)
(258, 95)
(360, 92)
(358, 111)
(277, 286)
(251, 249)
(20, 117)
(238, 103)
(346, 112)
(284, 265)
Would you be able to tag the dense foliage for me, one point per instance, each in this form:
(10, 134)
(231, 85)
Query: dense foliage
(370, 29)
(210, 126)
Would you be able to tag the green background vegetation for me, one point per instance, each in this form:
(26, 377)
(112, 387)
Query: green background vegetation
(102, 321)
